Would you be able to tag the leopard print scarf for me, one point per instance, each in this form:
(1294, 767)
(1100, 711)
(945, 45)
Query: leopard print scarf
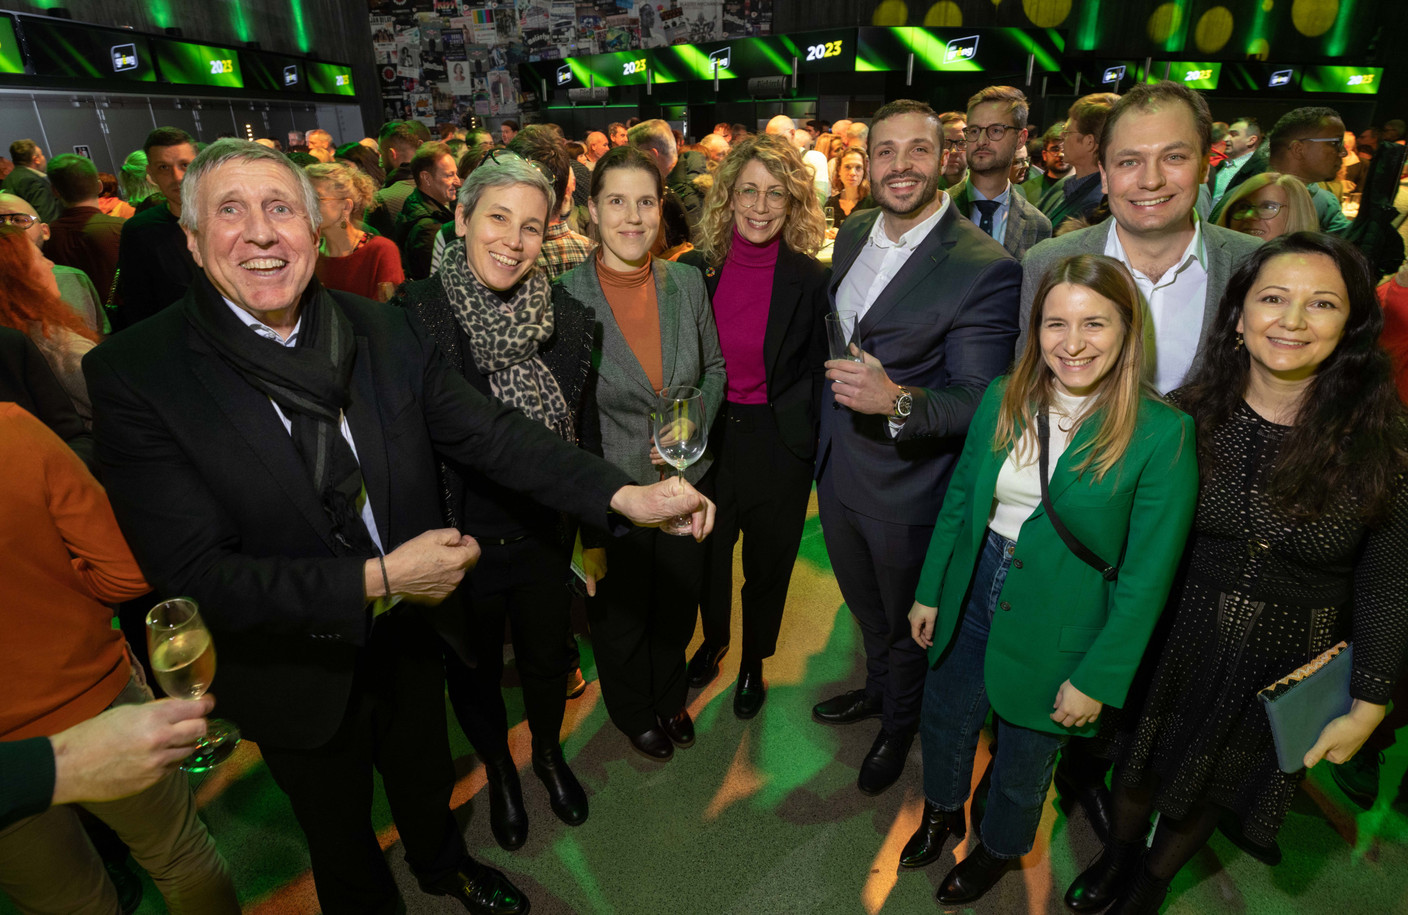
(505, 338)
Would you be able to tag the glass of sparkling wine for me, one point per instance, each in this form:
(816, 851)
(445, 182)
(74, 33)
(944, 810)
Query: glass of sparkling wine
(681, 433)
(183, 660)
(830, 217)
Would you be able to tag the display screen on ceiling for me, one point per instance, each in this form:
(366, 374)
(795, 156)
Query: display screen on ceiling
(329, 79)
(85, 52)
(190, 64)
(1194, 75)
(10, 60)
(272, 73)
(1358, 80)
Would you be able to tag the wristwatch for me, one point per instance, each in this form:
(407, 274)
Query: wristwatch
(903, 404)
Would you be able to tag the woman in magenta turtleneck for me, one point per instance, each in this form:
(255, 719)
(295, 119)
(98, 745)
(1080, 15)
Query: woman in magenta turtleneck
(760, 228)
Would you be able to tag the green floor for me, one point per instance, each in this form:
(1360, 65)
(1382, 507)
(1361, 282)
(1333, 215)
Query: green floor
(763, 817)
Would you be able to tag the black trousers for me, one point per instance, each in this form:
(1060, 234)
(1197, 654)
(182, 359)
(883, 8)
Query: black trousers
(525, 583)
(641, 621)
(395, 721)
(761, 489)
(877, 565)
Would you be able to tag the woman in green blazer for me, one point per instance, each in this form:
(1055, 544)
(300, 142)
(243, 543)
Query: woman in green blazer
(1014, 619)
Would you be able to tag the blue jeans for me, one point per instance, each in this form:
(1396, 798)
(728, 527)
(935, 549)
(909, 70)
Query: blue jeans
(955, 705)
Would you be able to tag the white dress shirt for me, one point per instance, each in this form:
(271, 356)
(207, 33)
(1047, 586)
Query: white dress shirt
(1173, 309)
(878, 262)
(999, 217)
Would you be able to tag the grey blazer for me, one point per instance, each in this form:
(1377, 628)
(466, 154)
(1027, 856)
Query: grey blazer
(690, 354)
(1226, 249)
(1026, 225)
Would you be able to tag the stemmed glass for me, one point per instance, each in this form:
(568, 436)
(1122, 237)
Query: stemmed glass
(183, 660)
(681, 433)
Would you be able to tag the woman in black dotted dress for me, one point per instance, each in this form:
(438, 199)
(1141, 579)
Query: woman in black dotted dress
(1302, 514)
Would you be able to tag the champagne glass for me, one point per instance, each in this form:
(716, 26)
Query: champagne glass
(681, 433)
(183, 660)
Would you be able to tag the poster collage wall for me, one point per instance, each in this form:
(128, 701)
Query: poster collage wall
(446, 60)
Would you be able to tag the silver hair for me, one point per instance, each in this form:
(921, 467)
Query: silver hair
(229, 150)
(504, 170)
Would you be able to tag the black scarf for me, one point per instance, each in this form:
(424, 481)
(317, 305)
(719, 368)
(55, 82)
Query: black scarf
(311, 383)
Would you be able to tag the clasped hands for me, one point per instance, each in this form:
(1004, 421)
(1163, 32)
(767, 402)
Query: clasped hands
(1073, 708)
(862, 386)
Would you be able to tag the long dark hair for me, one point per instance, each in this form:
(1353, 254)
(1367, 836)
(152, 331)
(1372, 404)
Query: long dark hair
(1350, 438)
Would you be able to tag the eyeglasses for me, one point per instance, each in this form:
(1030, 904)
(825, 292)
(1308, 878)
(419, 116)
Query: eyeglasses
(1338, 141)
(1267, 209)
(995, 132)
(777, 197)
(955, 144)
(18, 220)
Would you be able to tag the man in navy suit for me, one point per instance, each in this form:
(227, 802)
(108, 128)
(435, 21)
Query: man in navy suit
(934, 301)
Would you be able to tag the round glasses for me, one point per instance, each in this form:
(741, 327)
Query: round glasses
(995, 132)
(776, 197)
(1267, 209)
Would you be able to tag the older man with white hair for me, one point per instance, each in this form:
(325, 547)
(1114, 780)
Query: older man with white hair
(277, 463)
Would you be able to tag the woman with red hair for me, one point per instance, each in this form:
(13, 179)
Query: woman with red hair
(30, 303)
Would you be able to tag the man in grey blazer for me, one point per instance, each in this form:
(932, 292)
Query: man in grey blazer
(1153, 161)
(996, 129)
(934, 300)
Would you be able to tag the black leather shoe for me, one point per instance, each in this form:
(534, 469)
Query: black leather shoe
(1143, 897)
(847, 708)
(654, 745)
(972, 877)
(565, 793)
(481, 890)
(927, 843)
(508, 820)
(704, 666)
(1093, 798)
(884, 763)
(750, 692)
(1102, 882)
(679, 727)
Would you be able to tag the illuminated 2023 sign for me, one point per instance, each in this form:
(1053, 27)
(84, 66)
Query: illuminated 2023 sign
(823, 51)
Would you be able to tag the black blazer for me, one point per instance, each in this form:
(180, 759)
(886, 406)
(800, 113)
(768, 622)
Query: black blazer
(212, 497)
(26, 379)
(474, 503)
(943, 328)
(794, 343)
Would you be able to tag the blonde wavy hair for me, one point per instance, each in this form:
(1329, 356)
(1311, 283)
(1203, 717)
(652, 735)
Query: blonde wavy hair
(347, 181)
(1300, 216)
(803, 229)
(1114, 404)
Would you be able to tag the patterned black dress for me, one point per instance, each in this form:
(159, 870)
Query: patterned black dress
(1261, 595)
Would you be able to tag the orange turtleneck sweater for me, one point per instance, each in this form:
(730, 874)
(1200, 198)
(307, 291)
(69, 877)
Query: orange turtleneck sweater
(631, 296)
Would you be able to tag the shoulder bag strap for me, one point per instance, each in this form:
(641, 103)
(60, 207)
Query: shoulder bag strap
(1109, 572)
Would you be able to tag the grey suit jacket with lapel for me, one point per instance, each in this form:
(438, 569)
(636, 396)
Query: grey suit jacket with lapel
(1026, 225)
(1225, 249)
(943, 328)
(690, 354)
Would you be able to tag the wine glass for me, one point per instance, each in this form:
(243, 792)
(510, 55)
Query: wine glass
(681, 433)
(183, 660)
(830, 217)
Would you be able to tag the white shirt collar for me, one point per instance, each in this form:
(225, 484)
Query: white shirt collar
(1196, 249)
(263, 329)
(914, 236)
(1000, 198)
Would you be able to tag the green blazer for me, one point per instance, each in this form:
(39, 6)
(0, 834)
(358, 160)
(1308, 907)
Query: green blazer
(1058, 619)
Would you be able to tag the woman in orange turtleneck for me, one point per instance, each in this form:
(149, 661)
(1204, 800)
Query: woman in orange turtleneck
(654, 330)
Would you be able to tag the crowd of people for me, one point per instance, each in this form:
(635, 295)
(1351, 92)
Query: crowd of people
(1113, 440)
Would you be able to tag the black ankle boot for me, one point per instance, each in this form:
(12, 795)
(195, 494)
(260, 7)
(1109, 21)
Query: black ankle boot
(1144, 896)
(927, 843)
(1104, 880)
(973, 876)
(565, 793)
(508, 820)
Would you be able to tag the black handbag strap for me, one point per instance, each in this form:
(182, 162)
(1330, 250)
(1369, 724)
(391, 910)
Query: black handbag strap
(1083, 552)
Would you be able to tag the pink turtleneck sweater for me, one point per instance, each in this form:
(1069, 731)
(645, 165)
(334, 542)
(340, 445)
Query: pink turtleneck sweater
(741, 311)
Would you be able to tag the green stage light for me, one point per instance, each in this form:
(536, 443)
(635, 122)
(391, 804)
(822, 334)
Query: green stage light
(10, 60)
(300, 29)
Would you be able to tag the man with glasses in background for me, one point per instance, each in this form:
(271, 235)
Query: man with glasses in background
(75, 288)
(1309, 144)
(1052, 159)
(955, 151)
(996, 129)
